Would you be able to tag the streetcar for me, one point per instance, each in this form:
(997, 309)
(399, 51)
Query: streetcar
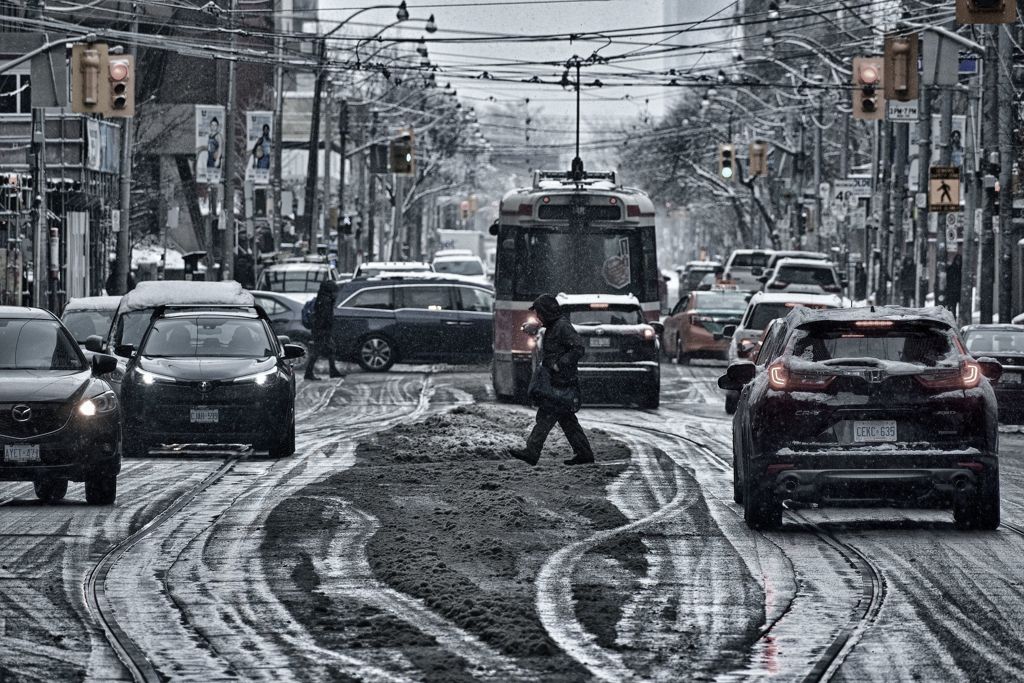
(567, 234)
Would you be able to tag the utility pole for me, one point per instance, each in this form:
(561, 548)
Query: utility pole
(989, 125)
(371, 200)
(227, 244)
(974, 198)
(901, 152)
(924, 160)
(277, 227)
(312, 160)
(123, 262)
(328, 143)
(1006, 163)
(884, 277)
(343, 240)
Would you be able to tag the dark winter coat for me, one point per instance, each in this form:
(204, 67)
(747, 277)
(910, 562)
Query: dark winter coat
(323, 310)
(563, 346)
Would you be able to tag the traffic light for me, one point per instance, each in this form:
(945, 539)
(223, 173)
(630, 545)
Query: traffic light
(758, 159)
(403, 159)
(986, 11)
(121, 76)
(88, 88)
(868, 101)
(901, 67)
(726, 161)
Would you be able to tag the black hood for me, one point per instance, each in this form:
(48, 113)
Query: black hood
(209, 369)
(547, 308)
(47, 386)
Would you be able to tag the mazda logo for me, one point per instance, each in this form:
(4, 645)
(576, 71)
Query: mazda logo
(21, 413)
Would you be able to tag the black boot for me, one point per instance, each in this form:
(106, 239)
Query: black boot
(580, 460)
(524, 455)
(335, 373)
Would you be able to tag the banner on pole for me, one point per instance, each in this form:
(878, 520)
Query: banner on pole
(209, 143)
(259, 126)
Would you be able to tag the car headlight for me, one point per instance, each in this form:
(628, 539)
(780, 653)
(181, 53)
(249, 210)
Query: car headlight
(147, 377)
(259, 378)
(98, 405)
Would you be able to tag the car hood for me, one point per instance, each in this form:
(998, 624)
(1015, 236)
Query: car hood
(209, 369)
(42, 385)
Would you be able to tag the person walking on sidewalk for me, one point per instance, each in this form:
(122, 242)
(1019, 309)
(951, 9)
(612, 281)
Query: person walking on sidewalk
(323, 321)
(563, 348)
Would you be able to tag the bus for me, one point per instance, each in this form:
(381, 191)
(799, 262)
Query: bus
(566, 235)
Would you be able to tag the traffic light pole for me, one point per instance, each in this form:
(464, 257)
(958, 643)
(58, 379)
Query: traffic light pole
(123, 262)
(1006, 163)
(343, 240)
(989, 126)
(924, 157)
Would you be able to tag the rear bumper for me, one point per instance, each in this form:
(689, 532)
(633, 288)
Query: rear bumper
(700, 341)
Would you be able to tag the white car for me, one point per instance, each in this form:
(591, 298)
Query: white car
(745, 267)
(804, 276)
(375, 268)
(464, 264)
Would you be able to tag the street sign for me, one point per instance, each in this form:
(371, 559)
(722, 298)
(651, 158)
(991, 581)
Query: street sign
(944, 188)
(968, 63)
(902, 112)
(850, 191)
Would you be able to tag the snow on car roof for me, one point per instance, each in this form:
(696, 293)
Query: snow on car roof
(803, 262)
(304, 266)
(454, 258)
(396, 265)
(153, 293)
(93, 303)
(801, 316)
(795, 298)
(587, 299)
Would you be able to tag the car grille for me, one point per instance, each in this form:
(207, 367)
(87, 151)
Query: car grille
(168, 407)
(44, 418)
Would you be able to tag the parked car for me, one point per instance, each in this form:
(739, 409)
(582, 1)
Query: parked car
(375, 268)
(696, 326)
(136, 308)
(761, 310)
(295, 277)
(1004, 343)
(465, 264)
(59, 421)
(786, 253)
(866, 405)
(805, 276)
(695, 271)
(432, 318)
(212, 377)
(621, 363)
(89, 316)
(745, 267)
(285, 314)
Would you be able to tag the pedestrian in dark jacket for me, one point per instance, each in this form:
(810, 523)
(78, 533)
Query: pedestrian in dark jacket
(323, 321)
(563, 349)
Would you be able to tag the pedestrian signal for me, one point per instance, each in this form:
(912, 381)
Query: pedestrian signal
(758, 165)
(88, 89)
(403, 160)
(901, 67)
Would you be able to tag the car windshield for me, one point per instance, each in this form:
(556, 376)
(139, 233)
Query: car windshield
(37, 345)
(467, 267)
(721, 301)
(906, 344)
(293, 280)
(750, 260)
(995, 341)
(84, 324)
(803, 275)
(607, 315)
(208, 336)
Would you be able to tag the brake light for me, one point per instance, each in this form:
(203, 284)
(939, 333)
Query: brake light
(526, 209)
(782, 378)
(967, 377)
(633, 211)
(873, 323)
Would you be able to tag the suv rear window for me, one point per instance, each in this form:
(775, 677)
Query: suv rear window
(750, 260)
(806, 275)
(612, 315)
(902, 343)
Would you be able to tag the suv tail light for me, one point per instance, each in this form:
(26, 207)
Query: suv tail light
(781, 378)
(967, 377)
(699, 320)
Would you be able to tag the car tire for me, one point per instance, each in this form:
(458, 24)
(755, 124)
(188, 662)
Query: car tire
(761, 510)
(284, 447)
(101, 489)
(652, 397)
(682, 358)
(731, 402)
(376, 353)
(980, 510)
(50, 490)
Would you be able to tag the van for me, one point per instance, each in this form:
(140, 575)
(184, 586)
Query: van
(745, 266)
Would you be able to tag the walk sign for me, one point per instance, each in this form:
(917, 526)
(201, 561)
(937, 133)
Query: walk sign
(944, 188)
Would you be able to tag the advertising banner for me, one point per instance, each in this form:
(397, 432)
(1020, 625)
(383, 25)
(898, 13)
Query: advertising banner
(259, 126)
(209, 143)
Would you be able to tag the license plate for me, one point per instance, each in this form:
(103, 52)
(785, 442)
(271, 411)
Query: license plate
(875, 431)
(21, 453)
(1010, 378)
(600, 342)
(205, 416)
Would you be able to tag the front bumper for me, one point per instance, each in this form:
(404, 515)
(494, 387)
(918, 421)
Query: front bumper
(75, 452)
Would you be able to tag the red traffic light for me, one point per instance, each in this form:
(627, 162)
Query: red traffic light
(868, 74)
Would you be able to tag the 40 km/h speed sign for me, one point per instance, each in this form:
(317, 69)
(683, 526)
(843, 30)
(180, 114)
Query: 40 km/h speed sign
(850, 191)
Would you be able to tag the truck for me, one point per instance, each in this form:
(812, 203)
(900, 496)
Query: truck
(462, 239)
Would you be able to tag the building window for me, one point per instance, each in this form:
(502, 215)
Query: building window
(15, 97)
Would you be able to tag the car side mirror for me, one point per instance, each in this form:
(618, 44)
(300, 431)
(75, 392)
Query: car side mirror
(991, 368)
(729, 331)
(659, 328)
(531, 328)
(737, 376)
(102, 364)
(284, 339)
(293, 351)
(94, 343)
(124, 350)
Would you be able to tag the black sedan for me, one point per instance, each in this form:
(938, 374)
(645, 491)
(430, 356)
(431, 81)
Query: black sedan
(58, 421)
(1004, 343)
(866, 405)
(209, 377)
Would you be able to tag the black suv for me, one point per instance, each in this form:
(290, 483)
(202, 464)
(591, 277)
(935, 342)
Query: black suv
(210, 377)
(866, 405)
(58, 421)
(379, 321)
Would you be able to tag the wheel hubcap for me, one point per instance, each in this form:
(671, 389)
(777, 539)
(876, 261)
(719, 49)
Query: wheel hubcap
(376, 353)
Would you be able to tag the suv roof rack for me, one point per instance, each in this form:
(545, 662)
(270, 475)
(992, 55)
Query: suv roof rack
(567, 177)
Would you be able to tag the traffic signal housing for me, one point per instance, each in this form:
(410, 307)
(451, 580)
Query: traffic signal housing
(986, 11)
(758, 155)
(900, 75)
(726, 162)
(403, 156)
(89, 86)
(121, 77)
(868, 88)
